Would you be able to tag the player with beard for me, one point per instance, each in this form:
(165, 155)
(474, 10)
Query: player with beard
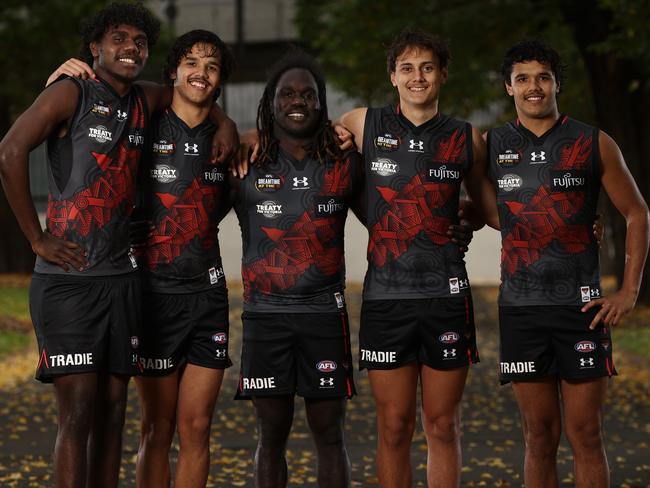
(556, 349)
(85, 294)
(292, 208)
(417, 321)
(184, 346)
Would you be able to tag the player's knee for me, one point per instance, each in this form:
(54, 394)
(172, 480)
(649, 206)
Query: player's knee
(195, 429)
(542, 437)
(77, 422)
(396, 430)
(442, 428)
(157, 432)
(328, 434)
(585, 436)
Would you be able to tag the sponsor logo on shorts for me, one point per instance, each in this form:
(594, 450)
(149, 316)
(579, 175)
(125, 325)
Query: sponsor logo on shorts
(159, 364)
(587, 363)
(585, 346)
(588, 293)
(164, 148)
(458, 284)
(213, 176)
(269, 209)
(510, 182)
(100, 133)
(605, 343)
(387, 142)
(448, 354)
(508, 158)
(215, 275)
(74, 359)
(220, 353)
(378, 356)
(340, 299)
(518, 367)
(449, 337)
(163, 173)
(100, 108)
(269, 183)
(267, 383)
(135, 342)
(326, 366)
(326, 382)
(220, 337)
(384, 167)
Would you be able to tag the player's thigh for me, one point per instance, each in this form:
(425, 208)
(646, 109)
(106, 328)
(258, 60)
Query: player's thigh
(395, 390)
(538, 401)
(583, 402)
(442, 390)
(158, 397)
(198, 391)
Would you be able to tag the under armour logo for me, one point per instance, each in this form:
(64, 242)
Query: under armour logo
(413, 144)
(586, 362)
(595, 292)
(194, 148)
(220, 353)
(463, 283)
(300, 181)
(449, 353)
(121, 116)
(326, 381)
(541, 156)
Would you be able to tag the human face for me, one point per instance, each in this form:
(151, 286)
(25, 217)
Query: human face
(418, 77)
(122, 52)
(533, 88)
(198, 75)
(296, 107)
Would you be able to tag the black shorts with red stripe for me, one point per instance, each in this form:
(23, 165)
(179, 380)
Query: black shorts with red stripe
(436, 332)
(289, 353)
(541, 340)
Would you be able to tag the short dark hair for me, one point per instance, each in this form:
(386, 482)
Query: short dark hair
(184, 44)
(533, 50)
(113, 15)
(324, 144)
(420, 39)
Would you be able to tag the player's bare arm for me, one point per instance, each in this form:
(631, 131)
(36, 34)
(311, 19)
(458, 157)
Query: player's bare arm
(479, 188)
(352, 122)
(626, 197)
(47, 115)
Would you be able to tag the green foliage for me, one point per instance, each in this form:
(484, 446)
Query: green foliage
(14, 303)
(12, 341)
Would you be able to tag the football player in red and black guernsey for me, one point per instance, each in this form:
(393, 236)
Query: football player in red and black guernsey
(184, 343)
(292, 208)
(85, 293)
(547, 170)
(417, 321)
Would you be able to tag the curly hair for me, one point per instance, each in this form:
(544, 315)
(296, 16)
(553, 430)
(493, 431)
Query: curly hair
(420, 39)
(113, 15)
(533, 50)
(324, 143)
(183, 45)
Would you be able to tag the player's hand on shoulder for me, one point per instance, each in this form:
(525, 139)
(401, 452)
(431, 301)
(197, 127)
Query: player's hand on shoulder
(225, 143)
(612, 307)
(75, 68)
(63, 253)
(346, 138)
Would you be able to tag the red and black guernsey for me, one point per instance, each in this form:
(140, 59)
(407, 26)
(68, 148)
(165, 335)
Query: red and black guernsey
(413, 181)
(292, 217)
(92, 176)
(184, 198)
(547, 192)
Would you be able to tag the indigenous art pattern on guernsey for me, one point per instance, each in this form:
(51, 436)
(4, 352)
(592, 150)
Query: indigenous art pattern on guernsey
(189, 216)
(311, 241)
(544, 218)
(110, 192)
(411, 209)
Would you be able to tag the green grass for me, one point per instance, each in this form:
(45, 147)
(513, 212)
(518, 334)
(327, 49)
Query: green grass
(12, 341)
(14, 302)
(635, 339)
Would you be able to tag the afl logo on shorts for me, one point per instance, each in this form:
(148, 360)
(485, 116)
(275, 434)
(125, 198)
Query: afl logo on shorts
(220, 337)
(585, 346)
(449, 337)
(326, 366)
